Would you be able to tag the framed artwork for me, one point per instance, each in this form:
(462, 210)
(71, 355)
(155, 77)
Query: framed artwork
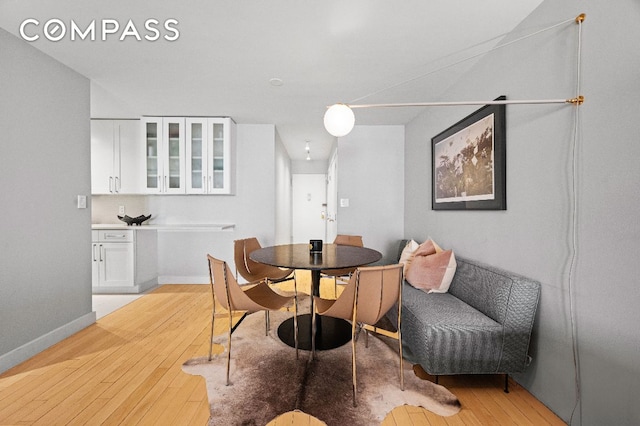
(469, 162)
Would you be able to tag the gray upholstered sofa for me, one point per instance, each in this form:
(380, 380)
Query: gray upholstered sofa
(481, 326)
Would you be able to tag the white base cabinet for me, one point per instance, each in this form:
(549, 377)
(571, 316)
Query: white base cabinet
(123, 260)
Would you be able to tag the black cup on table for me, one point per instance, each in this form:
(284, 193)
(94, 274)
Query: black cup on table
(315, 246)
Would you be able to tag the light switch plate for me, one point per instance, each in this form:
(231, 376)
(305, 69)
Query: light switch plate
(82, 201)
(344, 202)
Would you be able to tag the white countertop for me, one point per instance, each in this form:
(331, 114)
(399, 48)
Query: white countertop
(168, 227)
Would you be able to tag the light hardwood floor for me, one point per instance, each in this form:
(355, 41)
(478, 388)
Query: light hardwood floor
(126, 369)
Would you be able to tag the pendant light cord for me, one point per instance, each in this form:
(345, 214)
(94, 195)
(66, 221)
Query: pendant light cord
(574, 233)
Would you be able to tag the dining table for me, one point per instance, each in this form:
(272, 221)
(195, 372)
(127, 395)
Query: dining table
(330, 332)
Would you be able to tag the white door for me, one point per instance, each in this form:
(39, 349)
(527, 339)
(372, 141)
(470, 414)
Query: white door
(309, 207)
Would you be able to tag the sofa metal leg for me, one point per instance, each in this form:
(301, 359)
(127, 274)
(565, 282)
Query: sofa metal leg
(437, 377)
(506, 383)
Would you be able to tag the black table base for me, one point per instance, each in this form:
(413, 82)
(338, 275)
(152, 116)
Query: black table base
(331, 332)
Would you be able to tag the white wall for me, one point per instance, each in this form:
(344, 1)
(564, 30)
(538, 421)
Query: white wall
(282, 193)
(301, 167)
(45, 263)
(370, 175)
(535, 235)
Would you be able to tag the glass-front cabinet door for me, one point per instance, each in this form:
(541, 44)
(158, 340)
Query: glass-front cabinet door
(210, 154)
(174, 155)
(151, 129)
(165, 155)
(221, 155)
(193, 155)
(219, 169)
(197, 155)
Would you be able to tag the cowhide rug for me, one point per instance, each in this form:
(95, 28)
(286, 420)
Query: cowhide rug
(267, 380)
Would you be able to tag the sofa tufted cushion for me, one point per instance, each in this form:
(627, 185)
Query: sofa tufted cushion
(432, 268)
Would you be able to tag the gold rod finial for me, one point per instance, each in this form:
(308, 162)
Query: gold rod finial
(580, 18)
(576, 101)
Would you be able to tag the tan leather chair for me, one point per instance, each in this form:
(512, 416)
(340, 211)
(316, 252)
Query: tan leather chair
(368, 296)
(255, 271)
(251, 298)
(345, 273)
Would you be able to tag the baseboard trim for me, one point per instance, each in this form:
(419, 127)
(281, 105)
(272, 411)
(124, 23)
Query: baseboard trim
(34, 347)
(135, 289)
(176, 279)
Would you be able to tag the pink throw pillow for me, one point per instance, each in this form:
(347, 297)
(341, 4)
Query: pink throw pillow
(432, 269)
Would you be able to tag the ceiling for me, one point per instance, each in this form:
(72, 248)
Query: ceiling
(367, 51)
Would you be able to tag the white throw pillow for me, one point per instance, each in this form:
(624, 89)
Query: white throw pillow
(407, 254)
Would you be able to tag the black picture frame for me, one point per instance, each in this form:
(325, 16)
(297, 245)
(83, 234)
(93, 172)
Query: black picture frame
(468, 162)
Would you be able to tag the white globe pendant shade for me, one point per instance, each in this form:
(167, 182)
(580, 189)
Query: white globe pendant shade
(339, 120)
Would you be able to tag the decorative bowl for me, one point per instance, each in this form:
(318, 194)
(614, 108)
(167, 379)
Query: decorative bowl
(137, 221)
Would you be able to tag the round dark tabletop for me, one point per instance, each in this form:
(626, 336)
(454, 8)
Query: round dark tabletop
(333, 256)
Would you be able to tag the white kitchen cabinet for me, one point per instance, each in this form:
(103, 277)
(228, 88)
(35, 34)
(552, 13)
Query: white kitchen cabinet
(115, 157)
(210, 153)
(164, 164)
(123, 260)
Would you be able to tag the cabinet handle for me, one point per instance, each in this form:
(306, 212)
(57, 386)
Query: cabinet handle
(210, 183)
(165, 184)
(110, 184)
(94, 253)
(100, 252)
(117, 184)
(119, 236)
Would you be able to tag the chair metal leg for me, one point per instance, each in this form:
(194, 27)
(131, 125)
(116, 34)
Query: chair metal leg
(506, 383)
(213, 317)
(400, 335)
(401, 359)
(229, 346)
(295, 312)
(353, 361)
(267, 319)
